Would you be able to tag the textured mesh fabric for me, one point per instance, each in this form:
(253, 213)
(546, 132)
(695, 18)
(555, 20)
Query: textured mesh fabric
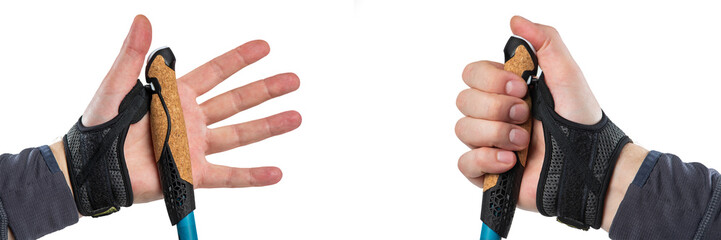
(578, 163)
(96, 162)
(3, 222)
(550, 189)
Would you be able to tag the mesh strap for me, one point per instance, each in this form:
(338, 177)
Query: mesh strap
(578, 163)
(96, 162)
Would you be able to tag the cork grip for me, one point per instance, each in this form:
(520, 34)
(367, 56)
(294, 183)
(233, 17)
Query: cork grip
(500, 191)
(178, 141)
(171, 150)
(521, 62)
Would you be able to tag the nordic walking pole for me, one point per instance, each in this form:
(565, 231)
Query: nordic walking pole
(500, 192)
(170, 142)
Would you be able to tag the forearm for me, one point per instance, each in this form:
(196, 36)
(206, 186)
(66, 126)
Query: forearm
(668, 199)
(35, 196)
(629, 161)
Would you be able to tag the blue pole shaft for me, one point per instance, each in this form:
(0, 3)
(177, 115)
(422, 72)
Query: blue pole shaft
(186, 228)
(488, 234)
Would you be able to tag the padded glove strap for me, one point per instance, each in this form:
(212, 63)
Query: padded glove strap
(96, 162)
(578, 164)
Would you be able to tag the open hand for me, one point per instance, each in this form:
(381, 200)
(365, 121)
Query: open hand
(203, 141)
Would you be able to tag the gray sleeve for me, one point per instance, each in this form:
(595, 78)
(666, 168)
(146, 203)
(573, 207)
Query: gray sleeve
(3, 222)
(670, 199)
(34, 197)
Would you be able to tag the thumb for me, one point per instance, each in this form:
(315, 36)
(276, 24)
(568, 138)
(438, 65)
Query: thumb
(572, 95)
(129, 62)
(122, 75)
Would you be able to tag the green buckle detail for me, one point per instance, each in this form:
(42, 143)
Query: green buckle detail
(106, 212)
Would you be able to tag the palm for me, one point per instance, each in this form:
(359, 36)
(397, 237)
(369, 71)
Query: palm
(141, 161)
(534, 163)
(198, 116)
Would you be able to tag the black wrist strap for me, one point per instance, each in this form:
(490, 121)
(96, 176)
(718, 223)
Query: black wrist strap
(96, 161)
(578, 163)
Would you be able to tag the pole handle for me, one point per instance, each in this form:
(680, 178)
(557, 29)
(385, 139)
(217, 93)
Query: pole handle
(500, 191)
(170, 139)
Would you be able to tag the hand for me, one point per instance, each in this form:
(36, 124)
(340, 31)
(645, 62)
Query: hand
(202, 140)
(493, 106)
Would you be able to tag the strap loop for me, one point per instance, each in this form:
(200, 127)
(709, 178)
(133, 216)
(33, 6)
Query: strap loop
(579, 160)
(96, 161)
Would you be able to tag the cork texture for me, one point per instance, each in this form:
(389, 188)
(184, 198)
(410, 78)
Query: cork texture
(178, 141)
(489, 181)
(519, 63)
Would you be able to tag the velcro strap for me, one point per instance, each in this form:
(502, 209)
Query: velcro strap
(578, 163)
(95, 158)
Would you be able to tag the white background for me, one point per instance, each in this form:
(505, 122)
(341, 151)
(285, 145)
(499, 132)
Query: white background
(375, 157)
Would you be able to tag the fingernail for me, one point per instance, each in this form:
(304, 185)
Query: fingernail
(515, 88)
(509, 87)
(273, 172)
(505, 157)
(518, 112)
(518, 137)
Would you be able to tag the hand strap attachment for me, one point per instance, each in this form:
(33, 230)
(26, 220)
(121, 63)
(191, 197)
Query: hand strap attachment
(179, 201)
(96, 161)
(578, 163)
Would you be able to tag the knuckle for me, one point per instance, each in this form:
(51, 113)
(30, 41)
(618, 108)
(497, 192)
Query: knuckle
(477, 158)
(460, 164)
(268, 129)
(500, 134)
(553, 31)
(266, 92)
(468, 71)
(215, 68)
(239, 134)
(462, 99)
(459, 127)
(479, 155)
(494, 108)
(473, 69)
(237, 100)
(467, 164)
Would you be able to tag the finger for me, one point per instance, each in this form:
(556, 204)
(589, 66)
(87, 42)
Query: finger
(491, 106)
(563, 76)
(479, 161)
(477, 181)
(229, 137)
(212, 73)
(242, 98)
(122, 75)
(550, 49)
(218, 176)
(127, 65)
(490, 77)
(483, 133)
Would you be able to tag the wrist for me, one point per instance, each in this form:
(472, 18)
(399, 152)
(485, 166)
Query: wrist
(628, 163)
(58, 150)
